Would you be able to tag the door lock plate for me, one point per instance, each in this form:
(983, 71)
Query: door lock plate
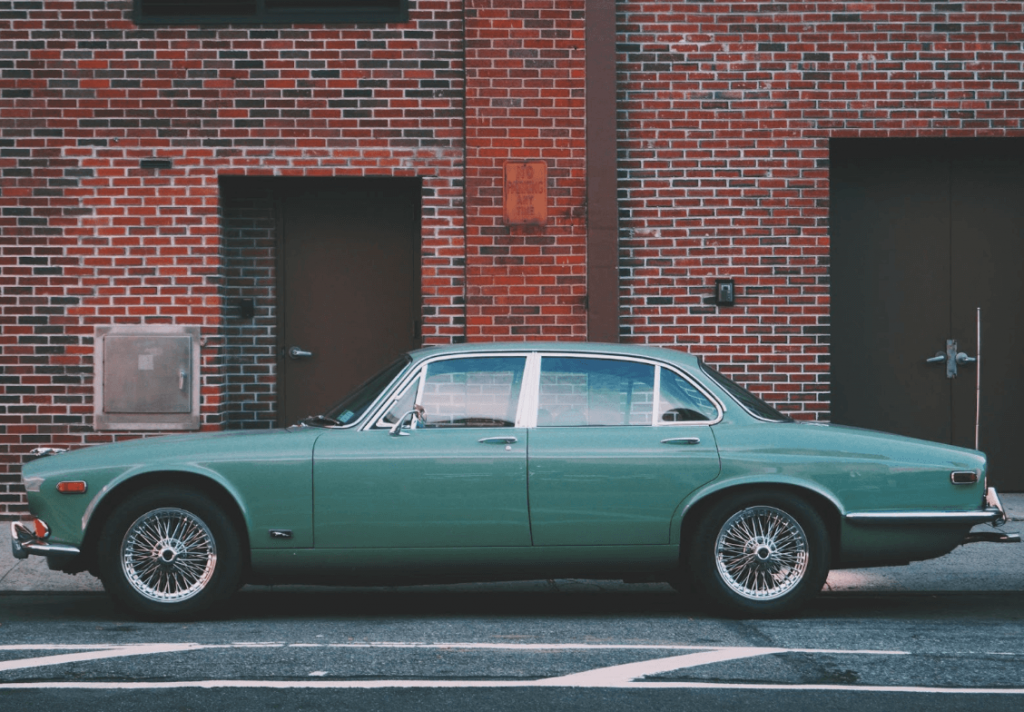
(950, 358)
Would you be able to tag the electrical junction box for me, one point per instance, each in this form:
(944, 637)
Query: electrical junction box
(147, 378)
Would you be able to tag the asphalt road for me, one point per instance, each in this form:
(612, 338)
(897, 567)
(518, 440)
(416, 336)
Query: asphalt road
(514, 646)
(940, 635)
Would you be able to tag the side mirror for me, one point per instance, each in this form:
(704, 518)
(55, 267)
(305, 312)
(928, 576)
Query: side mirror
(413, 417)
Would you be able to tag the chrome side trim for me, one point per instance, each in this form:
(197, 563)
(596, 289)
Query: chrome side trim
(974, 517)
(978, 517)
(993, 513)
(25, 542)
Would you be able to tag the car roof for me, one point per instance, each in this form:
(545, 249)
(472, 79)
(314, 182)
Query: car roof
(571, 347)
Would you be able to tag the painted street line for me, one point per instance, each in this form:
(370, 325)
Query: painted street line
(504, 684)
(624, 674)
(628, 676)
(577, 646)
(101, 654)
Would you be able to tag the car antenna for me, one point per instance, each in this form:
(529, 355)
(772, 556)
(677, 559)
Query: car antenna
(977, 387)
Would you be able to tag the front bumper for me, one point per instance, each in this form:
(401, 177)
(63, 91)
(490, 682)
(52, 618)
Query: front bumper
(27, 540)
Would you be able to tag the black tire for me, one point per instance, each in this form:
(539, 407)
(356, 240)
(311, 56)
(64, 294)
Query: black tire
(169, 553)
(760, 555)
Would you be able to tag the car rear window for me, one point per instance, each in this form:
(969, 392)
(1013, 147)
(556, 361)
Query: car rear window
(750, 403)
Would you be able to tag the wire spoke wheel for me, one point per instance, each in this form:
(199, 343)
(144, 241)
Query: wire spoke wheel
(168, 555)
(762, 553)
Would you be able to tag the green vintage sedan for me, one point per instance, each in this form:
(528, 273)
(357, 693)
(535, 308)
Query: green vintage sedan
(504, 462)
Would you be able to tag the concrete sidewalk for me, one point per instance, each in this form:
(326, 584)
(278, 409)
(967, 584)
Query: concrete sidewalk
(975, 567)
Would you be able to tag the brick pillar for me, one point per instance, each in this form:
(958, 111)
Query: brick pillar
(525, 102)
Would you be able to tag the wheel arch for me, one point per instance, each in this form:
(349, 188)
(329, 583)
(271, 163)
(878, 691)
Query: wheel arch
(216, 491)
(825, 505)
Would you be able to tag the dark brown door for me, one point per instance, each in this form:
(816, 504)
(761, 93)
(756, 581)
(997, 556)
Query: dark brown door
(925, 232)
(349, 292)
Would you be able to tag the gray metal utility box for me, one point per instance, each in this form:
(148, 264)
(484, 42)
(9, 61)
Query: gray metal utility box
(147, 377)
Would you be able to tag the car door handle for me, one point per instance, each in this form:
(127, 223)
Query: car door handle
(681, 441)
(500, 440)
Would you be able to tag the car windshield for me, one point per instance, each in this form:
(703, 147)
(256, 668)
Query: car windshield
(351, 408)
(751, 403)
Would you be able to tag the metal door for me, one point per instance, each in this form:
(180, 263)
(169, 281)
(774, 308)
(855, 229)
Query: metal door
(349, 291)
(925, 232)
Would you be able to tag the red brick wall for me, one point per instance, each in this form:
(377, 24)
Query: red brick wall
(524, 102)
(726, 109)
(725, 112)
(90, 238)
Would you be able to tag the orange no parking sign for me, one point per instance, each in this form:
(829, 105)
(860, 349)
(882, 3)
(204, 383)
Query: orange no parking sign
(526, 193)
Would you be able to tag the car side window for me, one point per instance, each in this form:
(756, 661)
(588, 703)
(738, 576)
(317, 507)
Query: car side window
(480, 392)
(594, 392)
(679, 400)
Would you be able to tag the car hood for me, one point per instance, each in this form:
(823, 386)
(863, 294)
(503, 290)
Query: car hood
(163, 449)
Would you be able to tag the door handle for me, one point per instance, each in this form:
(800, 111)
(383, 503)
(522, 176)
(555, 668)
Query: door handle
(949, 358)
(952, 358)
(296, 352)
(681, 441)
(500, 440)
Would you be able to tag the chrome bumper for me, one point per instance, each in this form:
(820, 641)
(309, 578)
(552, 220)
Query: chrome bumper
(993, 513)
(25, 542)
(992, 504)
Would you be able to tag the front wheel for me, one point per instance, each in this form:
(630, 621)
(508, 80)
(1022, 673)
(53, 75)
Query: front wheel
(760, 554)
(169, 553)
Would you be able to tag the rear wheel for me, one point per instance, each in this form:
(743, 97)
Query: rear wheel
(169, 553)
(760, 554)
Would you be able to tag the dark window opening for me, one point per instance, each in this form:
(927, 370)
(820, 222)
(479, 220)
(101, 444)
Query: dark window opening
(206, 12)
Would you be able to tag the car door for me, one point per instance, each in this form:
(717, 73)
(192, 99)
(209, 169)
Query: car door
(609, 462)
(457, 479)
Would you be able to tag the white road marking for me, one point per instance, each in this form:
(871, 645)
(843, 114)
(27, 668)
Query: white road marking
(578, 646)
(55, 646)
(100, 654)
(628, 676)
(473, 646)
(411, 684)
(623, 674)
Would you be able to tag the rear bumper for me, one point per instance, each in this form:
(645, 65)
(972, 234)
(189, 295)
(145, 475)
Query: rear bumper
(27, 539)
(992, 503)
(992, 513)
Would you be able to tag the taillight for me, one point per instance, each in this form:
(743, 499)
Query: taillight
(963, 478)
